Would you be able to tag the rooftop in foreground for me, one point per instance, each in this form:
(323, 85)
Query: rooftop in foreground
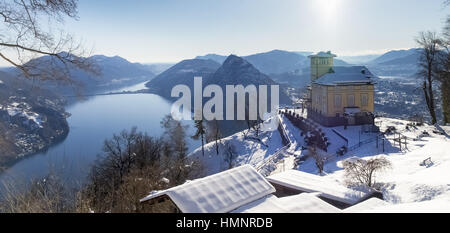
(218, 193)
(327, 188)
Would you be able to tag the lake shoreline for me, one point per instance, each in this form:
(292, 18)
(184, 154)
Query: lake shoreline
(57, 140)
(92, 121)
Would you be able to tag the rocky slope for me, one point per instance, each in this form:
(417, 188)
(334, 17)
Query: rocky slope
(31, 119)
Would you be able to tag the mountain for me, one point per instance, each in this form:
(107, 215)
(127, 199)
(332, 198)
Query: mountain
(361, 59)
(115, 72)
(182, 73)
(31, 119)
(396, 63)
(275, 62)
(413, 58)
(306, 53)
(118, 68)
(394, 55)
(238, 71)
(215, 57)
(158, 68)
(234, 71)
(339, 62)
(293, 79)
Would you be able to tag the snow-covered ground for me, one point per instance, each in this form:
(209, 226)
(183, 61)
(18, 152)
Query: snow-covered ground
(247, 150)
(407, 186)
(24, 110)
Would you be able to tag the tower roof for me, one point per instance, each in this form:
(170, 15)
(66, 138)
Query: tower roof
(323, 54)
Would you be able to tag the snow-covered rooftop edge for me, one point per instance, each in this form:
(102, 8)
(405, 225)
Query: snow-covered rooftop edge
(317, 184)
(218, 193)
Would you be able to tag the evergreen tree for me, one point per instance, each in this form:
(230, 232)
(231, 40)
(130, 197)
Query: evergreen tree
(200, 133)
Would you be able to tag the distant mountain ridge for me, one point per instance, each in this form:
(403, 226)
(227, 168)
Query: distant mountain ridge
(182, 73)
(114, 71)
(275, 62)
(396, 63)
(395, 55)
(234, 71)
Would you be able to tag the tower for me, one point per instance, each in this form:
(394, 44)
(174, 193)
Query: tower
(321, 63)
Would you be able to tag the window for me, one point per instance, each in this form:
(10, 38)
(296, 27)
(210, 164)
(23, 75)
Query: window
(364, 100)
(337, 101)
(350, 101)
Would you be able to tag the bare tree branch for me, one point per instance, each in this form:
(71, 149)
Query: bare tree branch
(23, 40)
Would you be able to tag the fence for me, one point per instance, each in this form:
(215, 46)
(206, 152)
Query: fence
(367, 141)
(341, 136)
(265, 168)
(317, 137)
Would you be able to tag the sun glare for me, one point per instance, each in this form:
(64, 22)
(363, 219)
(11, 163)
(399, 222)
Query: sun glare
(327, 8)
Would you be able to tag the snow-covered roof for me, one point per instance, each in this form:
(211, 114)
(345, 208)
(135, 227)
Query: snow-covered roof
(341, 75)
(218, 193)
(323, 54)
(302, 203)
(310, 183)
(366, 205)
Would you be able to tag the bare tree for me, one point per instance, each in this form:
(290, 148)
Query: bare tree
(214, 134)
(133, 164)
(24, 38)
(318, 159)
(175, 135)
(362, 172)
(46, 195)
(230, 154)
(428, 64)
(444, 71)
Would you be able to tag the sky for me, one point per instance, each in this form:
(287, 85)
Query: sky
(150, 31)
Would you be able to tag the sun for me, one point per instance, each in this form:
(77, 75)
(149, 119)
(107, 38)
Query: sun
(327, 8)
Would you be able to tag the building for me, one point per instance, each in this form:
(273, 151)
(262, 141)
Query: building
(219, 193)
(293, 182)
(340, 95)
(244, 190)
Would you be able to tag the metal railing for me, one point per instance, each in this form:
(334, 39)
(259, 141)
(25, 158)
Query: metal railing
(276, 156)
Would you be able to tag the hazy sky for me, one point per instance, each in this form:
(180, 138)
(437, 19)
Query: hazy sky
(172, 30)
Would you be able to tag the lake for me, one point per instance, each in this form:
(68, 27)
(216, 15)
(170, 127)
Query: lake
(92, 121)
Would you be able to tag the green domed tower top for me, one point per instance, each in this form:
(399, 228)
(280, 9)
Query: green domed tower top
(321, 63)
